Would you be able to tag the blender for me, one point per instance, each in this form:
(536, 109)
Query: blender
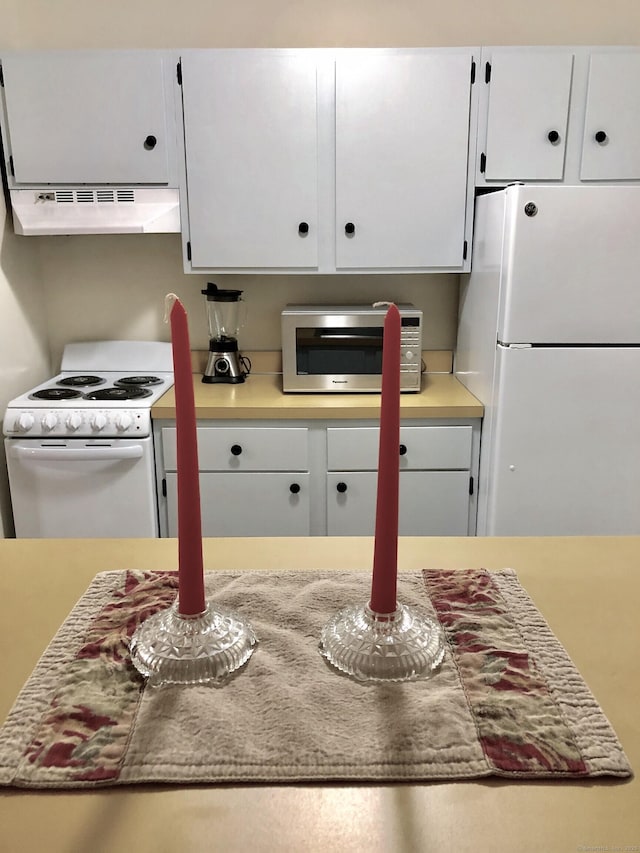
(225, 363)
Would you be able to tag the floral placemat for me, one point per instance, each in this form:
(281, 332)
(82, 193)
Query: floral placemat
(507, 700)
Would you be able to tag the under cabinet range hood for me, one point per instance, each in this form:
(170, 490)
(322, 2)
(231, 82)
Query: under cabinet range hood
(96, 210)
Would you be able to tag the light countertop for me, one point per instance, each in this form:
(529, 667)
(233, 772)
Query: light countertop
(261, 397)
(586, 588)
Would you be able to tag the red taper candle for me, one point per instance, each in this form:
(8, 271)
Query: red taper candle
(385, 554)
(191, 600)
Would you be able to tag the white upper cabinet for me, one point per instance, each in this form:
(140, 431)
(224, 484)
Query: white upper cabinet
(611, 143)
(558, 114)
(325, 161)
(402, 142)
(527, 115)
(89, 117)
(251, 149)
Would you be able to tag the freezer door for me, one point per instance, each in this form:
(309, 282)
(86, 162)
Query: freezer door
(561, 452)
(571, 265)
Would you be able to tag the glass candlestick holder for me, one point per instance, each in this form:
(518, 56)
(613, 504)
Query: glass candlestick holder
(171, 648)
(401, 646)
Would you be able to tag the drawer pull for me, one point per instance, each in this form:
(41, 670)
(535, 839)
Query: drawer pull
(236, 449)
(342, 488)
(294, 488)
(403, 450)
(600, 137)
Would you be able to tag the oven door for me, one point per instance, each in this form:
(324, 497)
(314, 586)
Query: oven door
(82, 489)
(335, 354)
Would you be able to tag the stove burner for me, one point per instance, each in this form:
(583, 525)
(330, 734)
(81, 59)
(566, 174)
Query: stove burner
(81, 381)
(128, 381)
(55, 394)
(133, 393)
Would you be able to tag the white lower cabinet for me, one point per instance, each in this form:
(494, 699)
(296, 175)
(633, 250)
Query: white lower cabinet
(242, 504)
(432, 503)
(320, 478)
(254, 481)
(435, 471)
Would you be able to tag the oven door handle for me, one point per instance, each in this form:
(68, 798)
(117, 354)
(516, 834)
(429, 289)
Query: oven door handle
(96, 453)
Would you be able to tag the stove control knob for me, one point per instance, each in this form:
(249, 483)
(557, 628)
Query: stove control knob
(24, 422)
(49, 421)
(98, 421)
(123, 421)
(74, 421)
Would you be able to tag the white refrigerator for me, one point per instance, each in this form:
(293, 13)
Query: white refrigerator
(549, 342)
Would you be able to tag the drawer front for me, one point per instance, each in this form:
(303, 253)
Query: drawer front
(431, 503)
(244, 449)
(248, 504)
(426, 448)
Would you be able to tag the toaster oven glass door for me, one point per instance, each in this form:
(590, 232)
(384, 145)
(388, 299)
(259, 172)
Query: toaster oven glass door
(329, 351)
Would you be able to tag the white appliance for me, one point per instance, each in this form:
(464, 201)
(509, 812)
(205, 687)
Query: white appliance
(80, 448)
(549, 341)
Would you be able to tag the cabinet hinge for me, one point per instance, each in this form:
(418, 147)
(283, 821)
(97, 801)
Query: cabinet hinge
(164, 488)
(464, 251)
(470, 485)
(188, 250)
(483, 163)
(179, 72)
(473, 71)
(1, 76)
(487, 72)
(11, 168)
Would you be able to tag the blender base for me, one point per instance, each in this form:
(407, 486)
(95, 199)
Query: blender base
(227, 379)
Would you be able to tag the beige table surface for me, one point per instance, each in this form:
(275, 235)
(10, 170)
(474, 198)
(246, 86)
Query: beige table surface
(587, 588)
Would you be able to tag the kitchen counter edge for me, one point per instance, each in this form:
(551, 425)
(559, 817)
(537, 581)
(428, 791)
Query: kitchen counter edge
(261, 397)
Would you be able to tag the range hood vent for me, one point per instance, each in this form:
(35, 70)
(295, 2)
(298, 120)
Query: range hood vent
(102, 210)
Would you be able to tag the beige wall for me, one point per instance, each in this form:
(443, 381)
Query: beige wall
(24, 356)
(315, 23)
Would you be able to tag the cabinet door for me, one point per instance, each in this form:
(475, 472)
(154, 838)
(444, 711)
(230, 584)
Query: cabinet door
(87, 117)
(432, 503)
(611, 145)
(402, 139)
(248, 504)
(251, 157)
(528, 112)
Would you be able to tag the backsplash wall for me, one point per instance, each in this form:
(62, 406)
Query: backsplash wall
(111, 287)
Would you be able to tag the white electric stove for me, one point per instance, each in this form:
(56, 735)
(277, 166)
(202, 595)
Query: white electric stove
(80, 448)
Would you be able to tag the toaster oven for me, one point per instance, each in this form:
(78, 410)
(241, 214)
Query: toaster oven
(339, 348)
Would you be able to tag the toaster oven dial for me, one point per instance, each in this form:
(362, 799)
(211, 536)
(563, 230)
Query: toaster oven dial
(409, 355)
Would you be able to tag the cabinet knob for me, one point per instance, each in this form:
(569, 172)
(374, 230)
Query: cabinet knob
(341, 487)
(349, 228)
(403, 450)
(294, 488)
(553, 136)
(600, 137)
(303, 228)
(150, 143)
(236, 449)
